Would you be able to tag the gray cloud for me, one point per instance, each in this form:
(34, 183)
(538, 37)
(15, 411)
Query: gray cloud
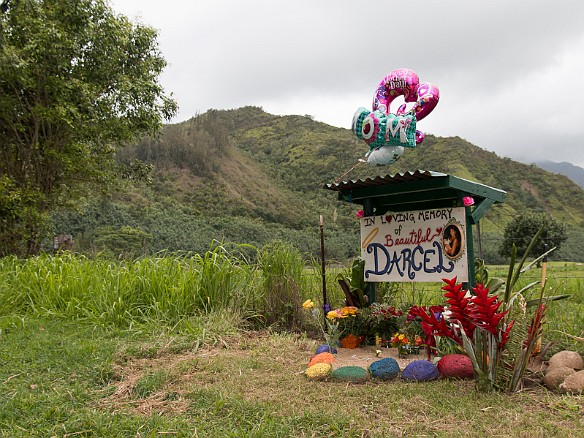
(508, 72)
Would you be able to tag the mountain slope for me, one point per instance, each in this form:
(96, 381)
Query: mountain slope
(249, 176)
(575, 173)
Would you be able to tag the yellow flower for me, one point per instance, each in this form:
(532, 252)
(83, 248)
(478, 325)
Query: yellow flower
(349, 310)
(308, 304)
(332, 314)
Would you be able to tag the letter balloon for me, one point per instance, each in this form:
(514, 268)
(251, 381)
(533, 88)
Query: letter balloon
(388, 133)
(401, 82)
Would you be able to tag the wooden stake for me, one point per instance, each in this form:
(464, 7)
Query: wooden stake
(322, 264)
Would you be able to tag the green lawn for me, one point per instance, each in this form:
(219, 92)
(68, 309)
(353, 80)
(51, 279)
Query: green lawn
(166, 347)
(60, 378)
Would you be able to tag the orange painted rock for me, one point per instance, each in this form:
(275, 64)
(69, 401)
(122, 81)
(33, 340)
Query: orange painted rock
(350, 341)
(321, 358)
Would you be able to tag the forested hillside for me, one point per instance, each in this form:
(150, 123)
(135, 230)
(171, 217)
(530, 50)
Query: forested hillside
(247, 176)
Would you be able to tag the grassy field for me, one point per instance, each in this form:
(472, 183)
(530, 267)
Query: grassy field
(174, 347)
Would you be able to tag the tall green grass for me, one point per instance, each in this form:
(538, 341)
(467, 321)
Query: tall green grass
(266, 286)
(121, 293)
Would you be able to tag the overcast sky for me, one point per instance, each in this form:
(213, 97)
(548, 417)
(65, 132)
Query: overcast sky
(510, 73)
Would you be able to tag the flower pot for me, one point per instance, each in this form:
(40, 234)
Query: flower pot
(350, 341)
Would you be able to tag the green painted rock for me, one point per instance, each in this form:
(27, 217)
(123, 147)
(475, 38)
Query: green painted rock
(350, 374)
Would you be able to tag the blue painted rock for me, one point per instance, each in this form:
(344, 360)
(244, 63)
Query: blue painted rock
(384, 369)
(325, 348)
(420, 371)
(350, 374)
(457, 366)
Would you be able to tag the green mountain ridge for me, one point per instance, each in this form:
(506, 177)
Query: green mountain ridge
(248, 176)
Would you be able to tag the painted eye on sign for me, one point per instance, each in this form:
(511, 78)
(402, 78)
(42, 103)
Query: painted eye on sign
(415, 246)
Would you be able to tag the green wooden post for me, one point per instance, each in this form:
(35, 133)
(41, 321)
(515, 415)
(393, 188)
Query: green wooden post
(470, 249)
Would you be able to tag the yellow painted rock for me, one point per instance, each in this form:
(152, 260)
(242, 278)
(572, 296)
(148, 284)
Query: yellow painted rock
(319, 371)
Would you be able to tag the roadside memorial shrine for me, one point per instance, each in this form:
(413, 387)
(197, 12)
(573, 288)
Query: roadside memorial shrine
(417, 226)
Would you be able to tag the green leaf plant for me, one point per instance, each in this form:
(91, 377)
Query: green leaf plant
(354, 286)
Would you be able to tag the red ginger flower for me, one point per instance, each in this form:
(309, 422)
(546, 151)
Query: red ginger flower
(484, 310)
(505, 334)
(432, 325)
(458, 305)
(535, 328)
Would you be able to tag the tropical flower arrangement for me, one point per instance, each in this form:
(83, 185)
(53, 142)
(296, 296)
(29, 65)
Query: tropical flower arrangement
(474, 321)
(351, 323)
(384, 320)
(404, 346)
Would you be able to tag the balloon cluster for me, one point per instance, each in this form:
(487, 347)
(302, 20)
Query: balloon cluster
(386, 133)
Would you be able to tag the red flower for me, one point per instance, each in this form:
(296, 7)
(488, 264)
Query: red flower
(484, 310)
(458, 305)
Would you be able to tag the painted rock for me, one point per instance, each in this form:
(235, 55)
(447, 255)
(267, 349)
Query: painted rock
(570, 359)
(350, 374)
(319, 371)
(325, 348)
(556, 376)
(458, 366)
(384, 369)
(350, 341)
(321, 358)
(420, 371)
(574, 383)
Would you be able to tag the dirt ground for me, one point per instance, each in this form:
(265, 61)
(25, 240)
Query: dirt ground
(191, 369)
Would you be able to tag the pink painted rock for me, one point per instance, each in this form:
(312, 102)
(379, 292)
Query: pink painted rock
(574, 383)
(458, 366)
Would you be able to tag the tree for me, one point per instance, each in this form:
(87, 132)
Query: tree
(77, 83)
(523, 227)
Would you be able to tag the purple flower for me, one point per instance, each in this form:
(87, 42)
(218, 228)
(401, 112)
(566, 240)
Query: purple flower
(326, 308)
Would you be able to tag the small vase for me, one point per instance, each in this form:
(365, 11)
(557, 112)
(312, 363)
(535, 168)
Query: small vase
(402, 351)
(350, 341)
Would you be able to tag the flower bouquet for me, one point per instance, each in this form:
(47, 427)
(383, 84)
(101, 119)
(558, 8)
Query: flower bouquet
(384, 320)
(404, 346)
